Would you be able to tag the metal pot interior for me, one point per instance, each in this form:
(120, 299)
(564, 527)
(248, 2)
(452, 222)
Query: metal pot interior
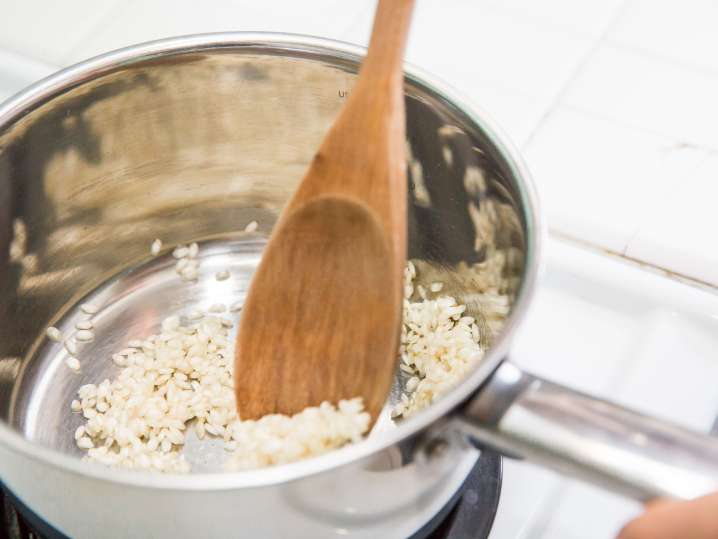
(190, 143)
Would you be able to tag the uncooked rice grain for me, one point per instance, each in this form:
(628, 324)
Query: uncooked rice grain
(217, 308)
(181, 264)
(53, 334)
(180, 252)
(71, 346)
(440, 344)
(171, 323)
(190, 274)
(156, 247)
(187, 266)
(89, 308)
(84, 335)
(85, 443)
(119, 360)
(222, 275)
(140, 418)
(73, 363)
(278, 439)
(181, 379)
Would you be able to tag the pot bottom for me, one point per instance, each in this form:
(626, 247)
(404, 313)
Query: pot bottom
(469, 513)
(132, 304)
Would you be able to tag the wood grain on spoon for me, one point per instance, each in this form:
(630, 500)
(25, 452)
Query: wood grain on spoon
(322, 318)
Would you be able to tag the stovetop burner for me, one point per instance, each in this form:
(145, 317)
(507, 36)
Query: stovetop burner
(470, 514)
(18, 522)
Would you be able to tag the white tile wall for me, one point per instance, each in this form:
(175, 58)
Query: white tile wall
(17, 72)
(473, 43)
(684, 31)
(647, 92)
(46, 31)
(139, 20)
(586, 17)
(678, 232)
(597, 177)
(514, 113)
(496, 67)
(610, 98)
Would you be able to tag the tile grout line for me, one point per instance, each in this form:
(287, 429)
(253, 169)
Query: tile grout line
(579, 69)
(545, 24)
(687, 280)
(615, 43)
(706, 155)
(681, 143)
(655, 55)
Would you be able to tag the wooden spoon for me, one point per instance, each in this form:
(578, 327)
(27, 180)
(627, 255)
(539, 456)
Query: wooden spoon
(322, 318)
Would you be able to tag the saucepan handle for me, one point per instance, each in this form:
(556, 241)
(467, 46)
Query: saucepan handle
(600, 442)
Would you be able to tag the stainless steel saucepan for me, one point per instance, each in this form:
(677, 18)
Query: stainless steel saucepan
(191, 138)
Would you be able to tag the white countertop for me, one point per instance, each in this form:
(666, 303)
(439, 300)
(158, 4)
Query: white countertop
(613, 104)
(610, 328)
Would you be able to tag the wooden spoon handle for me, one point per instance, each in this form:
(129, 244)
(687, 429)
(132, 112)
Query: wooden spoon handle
(362, 156)
(388, 40)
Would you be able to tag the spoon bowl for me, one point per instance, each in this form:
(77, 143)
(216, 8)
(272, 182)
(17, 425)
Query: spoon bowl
(323, 314)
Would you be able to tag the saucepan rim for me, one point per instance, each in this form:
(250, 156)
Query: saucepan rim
(307, 46)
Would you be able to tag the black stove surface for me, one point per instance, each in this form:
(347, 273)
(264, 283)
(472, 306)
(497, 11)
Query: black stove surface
(469, 515)
(19, 522)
